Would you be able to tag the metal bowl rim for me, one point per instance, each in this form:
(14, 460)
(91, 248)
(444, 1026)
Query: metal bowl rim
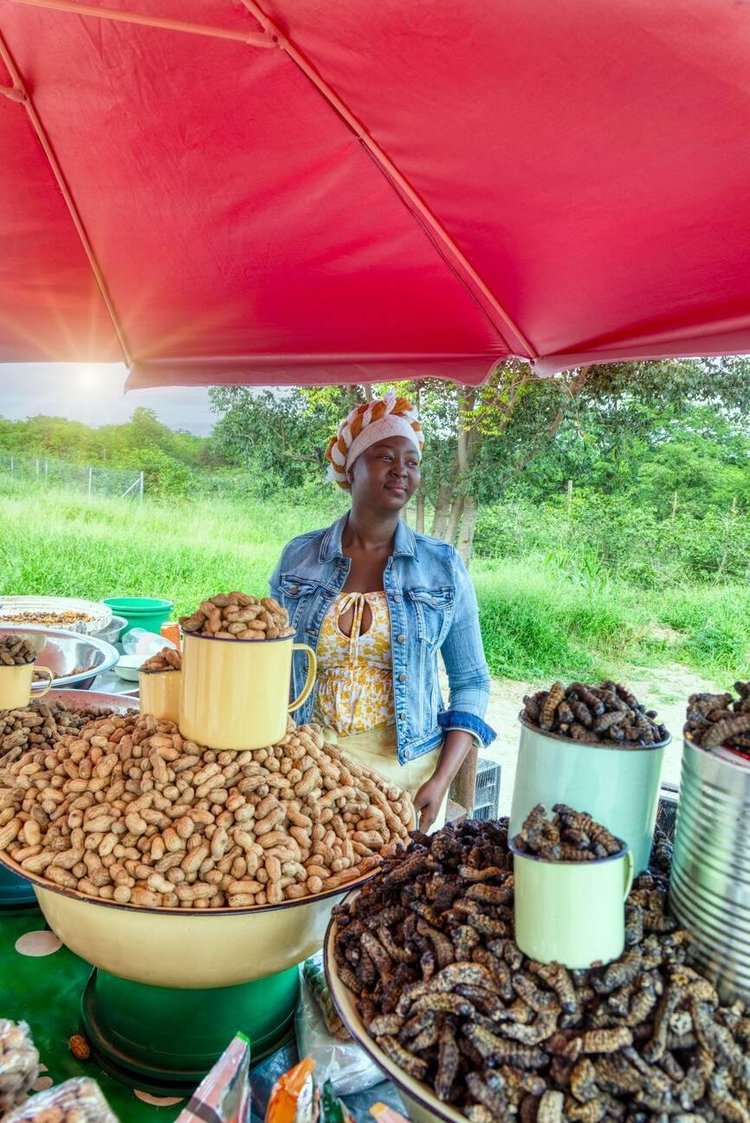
(110, 652)
(443, 1111)
(250, 910)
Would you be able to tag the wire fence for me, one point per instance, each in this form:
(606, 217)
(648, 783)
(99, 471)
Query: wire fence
(92, 480)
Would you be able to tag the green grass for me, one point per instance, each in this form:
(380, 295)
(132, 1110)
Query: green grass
(57, 545)
(538, 622)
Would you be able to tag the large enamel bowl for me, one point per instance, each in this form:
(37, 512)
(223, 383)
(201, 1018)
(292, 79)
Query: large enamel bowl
(65, 652)
(184, 948)
(421, 1103)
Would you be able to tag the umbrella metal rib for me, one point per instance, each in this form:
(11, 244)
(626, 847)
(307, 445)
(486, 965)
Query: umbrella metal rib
(54, 163)
(513, 337)
(119, 16)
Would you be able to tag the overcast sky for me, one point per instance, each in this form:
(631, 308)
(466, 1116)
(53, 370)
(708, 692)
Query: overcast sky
(95, 395)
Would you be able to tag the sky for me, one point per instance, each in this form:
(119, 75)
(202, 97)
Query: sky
(94, 394)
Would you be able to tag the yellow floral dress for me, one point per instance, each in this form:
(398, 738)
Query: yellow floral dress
(355, 672)
(355, 693)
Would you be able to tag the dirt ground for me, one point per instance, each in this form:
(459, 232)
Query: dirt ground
(665, 690)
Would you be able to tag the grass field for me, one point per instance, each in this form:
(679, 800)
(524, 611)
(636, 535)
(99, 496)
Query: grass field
(537, 621)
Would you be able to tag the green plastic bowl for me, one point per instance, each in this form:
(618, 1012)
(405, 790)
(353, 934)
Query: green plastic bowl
(140, 612)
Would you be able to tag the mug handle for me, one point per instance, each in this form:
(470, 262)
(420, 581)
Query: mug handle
(628, 871)
(312, 670)
(50, 680)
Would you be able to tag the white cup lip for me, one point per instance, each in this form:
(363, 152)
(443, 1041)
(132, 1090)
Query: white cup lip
(621, 853)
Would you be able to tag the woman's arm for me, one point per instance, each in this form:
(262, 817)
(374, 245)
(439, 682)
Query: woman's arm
(428, 799)
(469, 682)
(465, 664)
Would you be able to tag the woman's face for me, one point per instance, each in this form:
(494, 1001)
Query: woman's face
(386, 475)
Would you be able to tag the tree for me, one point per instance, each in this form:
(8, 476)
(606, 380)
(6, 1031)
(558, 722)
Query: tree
(279, 436)
(482, 440)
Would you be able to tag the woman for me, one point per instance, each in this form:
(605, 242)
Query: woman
(378, 602)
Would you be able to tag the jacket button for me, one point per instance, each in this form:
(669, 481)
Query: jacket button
(401, 638)
(396, 598)
(294, 590)
(402, 716)
(402, 677)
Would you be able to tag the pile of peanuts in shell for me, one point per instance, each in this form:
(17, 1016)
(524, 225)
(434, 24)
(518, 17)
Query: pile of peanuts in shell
(593, 714)
(165, 660)
(128, 810)
(714, 720)
(239, 616)
(79, 1100)
(566, 836)
(40, 724)
(15, 651)
(19, 1064)
(427, 949)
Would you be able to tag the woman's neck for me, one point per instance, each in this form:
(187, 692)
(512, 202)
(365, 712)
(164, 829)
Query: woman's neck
(370, 532)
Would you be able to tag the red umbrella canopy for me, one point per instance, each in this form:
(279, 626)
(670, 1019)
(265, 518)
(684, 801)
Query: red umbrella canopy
(340, 190)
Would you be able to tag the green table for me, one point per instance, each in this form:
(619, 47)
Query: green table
(45, 991)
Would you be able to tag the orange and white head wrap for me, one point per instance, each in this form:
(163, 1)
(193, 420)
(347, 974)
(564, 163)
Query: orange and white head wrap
(368, 424)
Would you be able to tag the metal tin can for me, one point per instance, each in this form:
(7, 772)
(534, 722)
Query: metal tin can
(710, 885)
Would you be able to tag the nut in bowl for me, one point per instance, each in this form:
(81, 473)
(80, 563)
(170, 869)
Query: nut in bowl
(180, 831)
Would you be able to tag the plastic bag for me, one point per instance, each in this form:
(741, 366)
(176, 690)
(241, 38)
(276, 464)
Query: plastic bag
(294, 1097)
(138, 641)
(344, 1063)
(76, 1101)
(19, 1064)
(385, 1114)
(315, 977)
(223, 1095)
(332, 1110)
(297, 1098)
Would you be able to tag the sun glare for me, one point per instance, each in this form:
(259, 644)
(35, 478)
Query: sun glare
(87, 377)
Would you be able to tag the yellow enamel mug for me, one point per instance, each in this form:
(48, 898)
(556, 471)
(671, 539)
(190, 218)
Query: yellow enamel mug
(571, 912)
(15, 685)
(159, 693)
(235, 693)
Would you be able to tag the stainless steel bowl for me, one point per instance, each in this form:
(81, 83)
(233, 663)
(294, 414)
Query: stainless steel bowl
(111, 633)
(63, 652)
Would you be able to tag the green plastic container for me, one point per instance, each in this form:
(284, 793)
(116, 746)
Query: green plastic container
(16, 892)
(165, 1040)
(140, 612)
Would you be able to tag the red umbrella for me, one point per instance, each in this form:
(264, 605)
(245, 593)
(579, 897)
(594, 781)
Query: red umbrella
(340, 190)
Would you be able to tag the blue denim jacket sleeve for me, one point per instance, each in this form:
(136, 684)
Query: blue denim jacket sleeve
(465, 664)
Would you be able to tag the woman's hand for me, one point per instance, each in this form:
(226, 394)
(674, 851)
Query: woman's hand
(428, 799)
(432, 793)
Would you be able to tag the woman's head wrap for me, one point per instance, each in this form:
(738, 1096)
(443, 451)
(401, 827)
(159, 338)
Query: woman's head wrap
(368, 424)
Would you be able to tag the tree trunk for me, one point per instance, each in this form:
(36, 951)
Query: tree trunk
(419, 510)
(442, 511)
(454, 519)
(467, 528)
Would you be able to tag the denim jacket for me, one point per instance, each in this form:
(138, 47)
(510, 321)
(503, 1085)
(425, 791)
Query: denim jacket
(432, 608)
